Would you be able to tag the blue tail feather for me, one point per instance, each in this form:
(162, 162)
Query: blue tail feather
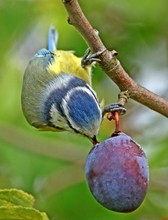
(52, 39)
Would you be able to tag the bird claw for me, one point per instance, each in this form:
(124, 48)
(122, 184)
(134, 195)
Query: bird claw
(90, 59)
(114, 107)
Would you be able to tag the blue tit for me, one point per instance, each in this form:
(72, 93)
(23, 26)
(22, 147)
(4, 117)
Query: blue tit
(57, 93)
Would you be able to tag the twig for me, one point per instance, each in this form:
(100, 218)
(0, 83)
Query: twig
(110, 64)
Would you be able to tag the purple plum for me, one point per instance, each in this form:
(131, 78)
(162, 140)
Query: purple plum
(117, 173)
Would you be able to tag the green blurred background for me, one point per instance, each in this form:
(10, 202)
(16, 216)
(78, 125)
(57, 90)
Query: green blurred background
(51, 165)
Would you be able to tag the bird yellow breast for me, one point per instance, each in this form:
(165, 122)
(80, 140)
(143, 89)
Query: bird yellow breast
(67, 62)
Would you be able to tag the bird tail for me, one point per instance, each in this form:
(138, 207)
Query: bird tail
(52, 38)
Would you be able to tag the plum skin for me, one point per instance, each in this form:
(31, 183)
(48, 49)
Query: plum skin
(117, 173)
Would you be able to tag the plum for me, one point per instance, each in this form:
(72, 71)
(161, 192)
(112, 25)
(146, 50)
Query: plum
(117, 173)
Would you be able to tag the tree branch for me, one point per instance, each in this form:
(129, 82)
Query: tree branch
(110, 65)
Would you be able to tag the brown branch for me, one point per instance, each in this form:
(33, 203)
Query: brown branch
(110, 64)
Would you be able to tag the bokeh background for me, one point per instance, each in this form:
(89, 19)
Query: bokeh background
(51, 165)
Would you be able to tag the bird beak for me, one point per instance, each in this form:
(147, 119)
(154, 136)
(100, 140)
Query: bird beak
(93, 140)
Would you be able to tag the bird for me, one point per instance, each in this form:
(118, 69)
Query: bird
(57, 93)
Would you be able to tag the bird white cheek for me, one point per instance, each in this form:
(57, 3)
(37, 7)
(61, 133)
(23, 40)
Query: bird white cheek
(58, 120)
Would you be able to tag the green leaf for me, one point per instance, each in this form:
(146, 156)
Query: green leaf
(21, 213)
(16, 197)
(17, 205)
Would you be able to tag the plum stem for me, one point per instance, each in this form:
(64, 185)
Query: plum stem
(116, 118)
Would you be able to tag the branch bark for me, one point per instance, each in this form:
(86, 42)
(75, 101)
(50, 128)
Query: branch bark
(110, 64)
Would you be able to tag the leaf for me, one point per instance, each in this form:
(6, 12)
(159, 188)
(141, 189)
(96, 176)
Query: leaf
(16, 197)
(17, 205)
(21, 213)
